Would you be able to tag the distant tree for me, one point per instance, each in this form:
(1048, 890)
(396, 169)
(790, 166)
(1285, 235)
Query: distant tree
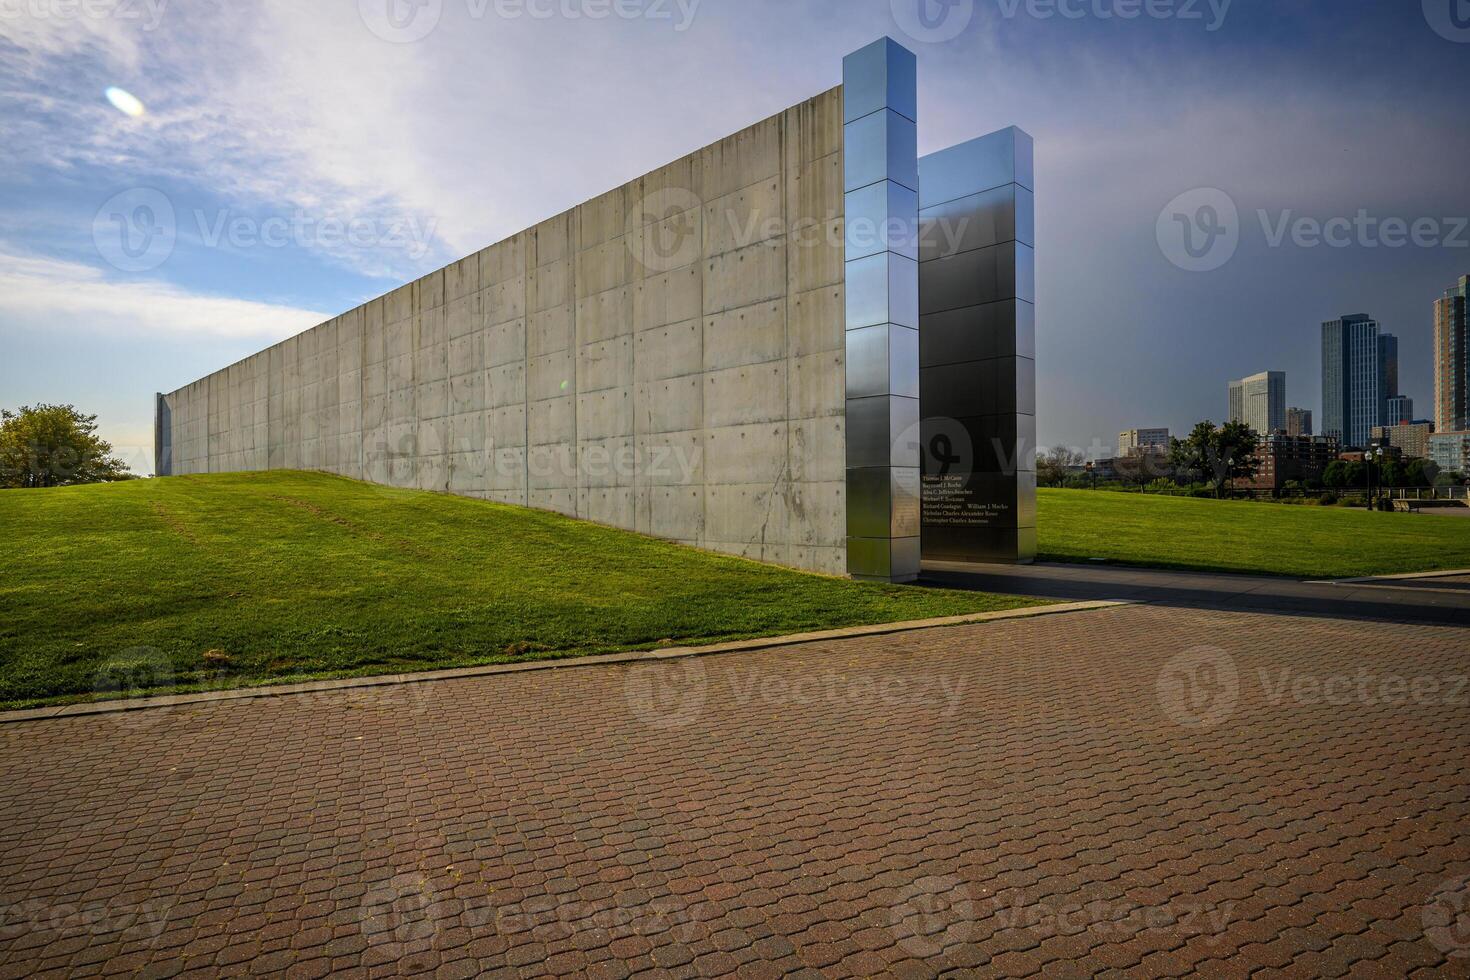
(1391, 473)
(54, 446)
(1420, 473)
(1218, 456)
(1343, 475)
(1143, 469)
(1052, 465)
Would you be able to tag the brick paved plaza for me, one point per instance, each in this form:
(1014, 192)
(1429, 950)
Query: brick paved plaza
(1147, 790)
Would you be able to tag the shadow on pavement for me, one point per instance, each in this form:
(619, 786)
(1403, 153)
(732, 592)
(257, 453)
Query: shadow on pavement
(1400, 601)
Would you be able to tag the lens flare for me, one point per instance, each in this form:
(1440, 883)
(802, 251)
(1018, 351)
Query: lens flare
(125, 101)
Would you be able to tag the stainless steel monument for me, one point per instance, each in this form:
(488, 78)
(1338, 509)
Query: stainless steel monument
(977, 354)
(733, 352)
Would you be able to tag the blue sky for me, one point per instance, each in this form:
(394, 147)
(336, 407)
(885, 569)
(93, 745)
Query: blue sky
(278, 130)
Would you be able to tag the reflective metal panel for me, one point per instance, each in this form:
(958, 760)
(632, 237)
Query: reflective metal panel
(869, 513)
(1026, 329)
(971, 333)
(880, 146)
(1013, 545)
(163, 449)
(882, 218)
(883, 360)
(958, 391)
(904, 491)
(903, 291)
(903, 361)
(883, 559)
(1025, 158)
(867, 361)
(967, 223)
(994, 160)
(903, 421)
(885, 502)
(984, 275)
(1025, 216)
(883, 75)
(1025, 385)
(977, 380)
(882, 431)
(880, 182)
(867, 291)
(1023, 268)
(906, 555)
(882, 288)
(870, 558)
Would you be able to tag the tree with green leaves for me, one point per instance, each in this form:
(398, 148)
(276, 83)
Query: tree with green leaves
(1420, 473)
(1344, 474)
(1217, 455)
(54, 446)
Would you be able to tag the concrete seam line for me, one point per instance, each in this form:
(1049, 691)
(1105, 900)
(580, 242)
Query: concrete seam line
(1404, 577)
(592, 660)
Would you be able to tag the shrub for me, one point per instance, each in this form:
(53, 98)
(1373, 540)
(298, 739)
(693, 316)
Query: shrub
(1328, 499)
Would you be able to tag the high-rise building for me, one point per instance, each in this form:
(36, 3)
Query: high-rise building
(1451, 451)
(1352, 378)
(1298, 422)
(1139, 442)
(1399, 410)
(1388, 374)
(1260, 402)
(1452, 360)
(1411, 437)
(1282, 459)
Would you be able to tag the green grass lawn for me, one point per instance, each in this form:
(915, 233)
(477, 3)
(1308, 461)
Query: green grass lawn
(290, 576)
(1244, 536)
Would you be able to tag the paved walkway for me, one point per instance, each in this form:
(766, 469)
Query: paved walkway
(1140, 789)
(1437, 600)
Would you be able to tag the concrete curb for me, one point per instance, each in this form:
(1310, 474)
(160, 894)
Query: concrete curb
(1403, 577)
(673, 653)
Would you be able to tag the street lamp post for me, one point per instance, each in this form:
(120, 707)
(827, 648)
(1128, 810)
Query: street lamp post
(1370, 458)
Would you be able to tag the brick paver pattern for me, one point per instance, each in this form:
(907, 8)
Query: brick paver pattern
(1145, 790)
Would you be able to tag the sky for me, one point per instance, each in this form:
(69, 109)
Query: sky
(1214, 177)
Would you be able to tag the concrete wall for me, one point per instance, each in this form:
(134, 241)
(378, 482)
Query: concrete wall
(667, 358)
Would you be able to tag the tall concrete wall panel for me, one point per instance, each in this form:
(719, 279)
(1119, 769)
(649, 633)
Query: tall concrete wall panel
(668, 357)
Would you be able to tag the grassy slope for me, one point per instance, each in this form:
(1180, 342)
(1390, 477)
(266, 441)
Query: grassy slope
(1241, 536)
(297, 575)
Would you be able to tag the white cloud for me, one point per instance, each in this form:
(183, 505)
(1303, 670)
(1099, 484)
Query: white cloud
(477, 131)
(51, 294)
(106, 30)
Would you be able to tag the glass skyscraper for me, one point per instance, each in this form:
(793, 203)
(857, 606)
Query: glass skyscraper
(1260, 402)
(1388, 374)
(1356, 360)
(1452, 360)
